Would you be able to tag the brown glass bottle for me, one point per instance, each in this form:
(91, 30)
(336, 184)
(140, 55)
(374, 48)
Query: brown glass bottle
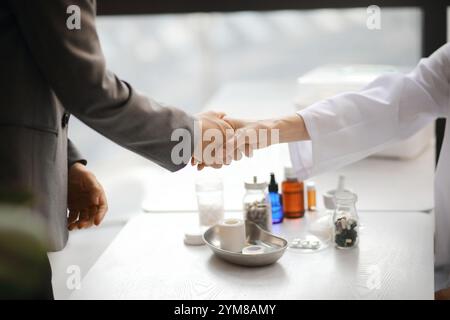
(292, 195)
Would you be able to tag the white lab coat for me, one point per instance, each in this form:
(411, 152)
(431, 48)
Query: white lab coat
(351, 126)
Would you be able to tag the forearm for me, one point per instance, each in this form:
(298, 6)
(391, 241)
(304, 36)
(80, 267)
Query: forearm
(290, 128)
(277, 130)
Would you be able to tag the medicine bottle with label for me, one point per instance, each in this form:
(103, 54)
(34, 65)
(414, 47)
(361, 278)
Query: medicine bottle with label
(292, 195)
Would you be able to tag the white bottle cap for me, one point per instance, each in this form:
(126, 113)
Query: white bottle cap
(289, 173)
(310, 185)
(194, 237)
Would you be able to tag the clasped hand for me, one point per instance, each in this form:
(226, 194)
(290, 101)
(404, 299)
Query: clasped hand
(222, 139)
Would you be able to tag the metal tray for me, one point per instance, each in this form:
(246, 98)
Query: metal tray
(275, 246)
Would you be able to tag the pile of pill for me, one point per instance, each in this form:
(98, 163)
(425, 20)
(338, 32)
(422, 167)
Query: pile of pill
(210, 214)
(345, 232)
(258, 212)
(305, 244)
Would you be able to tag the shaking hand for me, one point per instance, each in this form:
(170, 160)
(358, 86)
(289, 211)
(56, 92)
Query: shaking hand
(238, 137)
(210, 150)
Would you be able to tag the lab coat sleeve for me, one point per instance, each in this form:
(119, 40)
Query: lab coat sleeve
(351, 126)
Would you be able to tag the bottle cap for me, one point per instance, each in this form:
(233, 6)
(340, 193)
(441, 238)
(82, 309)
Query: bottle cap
(273, 185)
(255, 185)
(310, 185)
(289, 173)
(194, 237)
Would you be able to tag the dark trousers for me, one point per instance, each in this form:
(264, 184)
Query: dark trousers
(25, 278)
(46, 293)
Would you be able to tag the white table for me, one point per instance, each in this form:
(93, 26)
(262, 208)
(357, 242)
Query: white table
(148, 260)
(381, 184)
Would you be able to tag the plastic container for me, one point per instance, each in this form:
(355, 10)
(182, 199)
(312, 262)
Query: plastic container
(311, 196)
(210, 201)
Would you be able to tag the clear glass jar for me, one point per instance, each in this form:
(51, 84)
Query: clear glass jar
(210, 200)
(345, 220)
(256, 204)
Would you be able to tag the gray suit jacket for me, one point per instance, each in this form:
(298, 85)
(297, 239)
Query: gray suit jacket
(48, 72)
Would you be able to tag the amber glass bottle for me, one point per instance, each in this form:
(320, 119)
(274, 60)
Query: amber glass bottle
(292, 195)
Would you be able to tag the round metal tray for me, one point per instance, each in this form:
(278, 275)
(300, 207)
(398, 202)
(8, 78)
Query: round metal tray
(275, 246)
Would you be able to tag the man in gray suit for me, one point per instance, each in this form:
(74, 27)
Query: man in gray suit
(48, 72)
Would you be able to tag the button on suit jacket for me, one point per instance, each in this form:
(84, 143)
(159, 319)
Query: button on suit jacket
(47, 71)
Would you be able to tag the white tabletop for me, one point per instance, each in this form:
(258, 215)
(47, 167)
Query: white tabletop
(381, 184)
(148, 260)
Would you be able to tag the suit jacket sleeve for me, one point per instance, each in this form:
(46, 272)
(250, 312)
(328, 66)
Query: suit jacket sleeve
(73, 63)
(74, 155)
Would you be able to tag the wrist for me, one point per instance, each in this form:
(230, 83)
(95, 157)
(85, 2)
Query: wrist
(264, 131)
(290, 128)
(271, 132)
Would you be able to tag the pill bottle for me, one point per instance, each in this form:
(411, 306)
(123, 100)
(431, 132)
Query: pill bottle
(292, 195)
(345, 220)
(311, 196)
